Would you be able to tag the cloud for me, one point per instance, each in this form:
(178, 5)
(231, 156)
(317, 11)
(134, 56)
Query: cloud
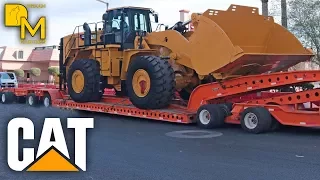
(64, 15)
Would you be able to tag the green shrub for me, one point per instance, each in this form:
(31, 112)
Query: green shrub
(53, 70)
(35, 71)
(19, 72)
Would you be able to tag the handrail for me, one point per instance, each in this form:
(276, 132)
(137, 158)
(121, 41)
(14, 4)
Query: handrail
(66, 55)
(77, 27)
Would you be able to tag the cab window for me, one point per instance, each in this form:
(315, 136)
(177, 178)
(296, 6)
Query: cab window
(140, 22)
(116, 22)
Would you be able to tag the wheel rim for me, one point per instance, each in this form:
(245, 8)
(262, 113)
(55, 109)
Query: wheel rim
(251, 120)
(30, 100)
(46, 102)
(141, 83)
(204, 117)
(77, 81)
(3, 98)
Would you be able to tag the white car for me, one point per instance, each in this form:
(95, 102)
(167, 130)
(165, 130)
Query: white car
(8, 79)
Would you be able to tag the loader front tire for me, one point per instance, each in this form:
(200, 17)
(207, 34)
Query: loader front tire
(84, 81)
(150, 82)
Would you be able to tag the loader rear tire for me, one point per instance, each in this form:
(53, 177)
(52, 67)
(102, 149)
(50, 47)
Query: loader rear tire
(155, 78)
(89, 88)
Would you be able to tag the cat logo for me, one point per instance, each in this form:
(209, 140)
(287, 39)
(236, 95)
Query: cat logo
(16, 15)
(52, 155)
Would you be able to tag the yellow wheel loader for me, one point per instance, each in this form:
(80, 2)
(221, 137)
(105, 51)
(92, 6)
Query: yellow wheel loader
(149, 67)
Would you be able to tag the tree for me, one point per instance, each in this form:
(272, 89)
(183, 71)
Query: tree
(35, 72)
(303, 20)
(19, 73)
(284, 14)
(265, 9)
(53, 72)
(305, 23)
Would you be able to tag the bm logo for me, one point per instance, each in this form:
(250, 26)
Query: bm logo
(16, 15)
(52, 155)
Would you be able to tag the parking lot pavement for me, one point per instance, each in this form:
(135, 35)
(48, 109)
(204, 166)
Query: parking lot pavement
(131, 148)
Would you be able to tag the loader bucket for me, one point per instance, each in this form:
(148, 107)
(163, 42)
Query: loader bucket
(239, 41)
(232, 43)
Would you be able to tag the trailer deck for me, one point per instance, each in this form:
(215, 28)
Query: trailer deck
(235, 96)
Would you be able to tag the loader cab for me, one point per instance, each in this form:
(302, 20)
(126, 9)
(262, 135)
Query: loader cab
(122, 25)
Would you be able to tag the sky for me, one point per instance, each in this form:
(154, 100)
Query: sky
(63, 15)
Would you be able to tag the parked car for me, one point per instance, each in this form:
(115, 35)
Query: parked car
(8, 79)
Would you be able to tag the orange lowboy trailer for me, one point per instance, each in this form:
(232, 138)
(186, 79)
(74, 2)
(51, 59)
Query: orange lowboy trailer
(246, 100)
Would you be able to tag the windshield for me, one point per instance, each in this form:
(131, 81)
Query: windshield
(7, 76)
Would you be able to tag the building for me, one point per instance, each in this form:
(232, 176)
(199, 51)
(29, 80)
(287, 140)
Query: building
(12, 58)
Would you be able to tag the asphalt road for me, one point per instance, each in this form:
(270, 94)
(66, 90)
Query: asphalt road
(127, 148)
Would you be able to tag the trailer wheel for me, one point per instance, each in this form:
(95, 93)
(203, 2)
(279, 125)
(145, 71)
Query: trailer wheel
(32, 100)
(150, 82)
(47, 100)
(210, 116)
(7, 97)
(256, 120)
(84, 81)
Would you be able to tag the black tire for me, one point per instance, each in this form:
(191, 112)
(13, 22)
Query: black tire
(93, 90)
(47, 100)
(21, 99)
(162, 82)
(7, 97)
(275, 125)
(263, 120)
(216, 119)
(227, 108)
(32, 100)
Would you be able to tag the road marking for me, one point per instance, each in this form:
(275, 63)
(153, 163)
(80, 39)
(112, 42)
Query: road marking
(194, 134)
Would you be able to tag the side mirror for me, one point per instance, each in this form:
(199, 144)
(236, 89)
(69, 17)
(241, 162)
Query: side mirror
(105, 16)
(156, 18)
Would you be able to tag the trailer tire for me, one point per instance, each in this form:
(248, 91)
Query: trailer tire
(150, 82)
(210, 116)
(227, 108)
(7, 97)
(47, 100)
(275, 125)
(89, 72)
(32, 100)
(21, 99)
(256, 120)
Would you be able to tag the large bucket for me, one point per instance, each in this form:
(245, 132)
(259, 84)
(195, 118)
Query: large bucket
(232, 43)
(239, 41)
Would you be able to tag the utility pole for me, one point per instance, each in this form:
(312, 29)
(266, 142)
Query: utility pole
(284, 15)
(265, 9)
(104, 2)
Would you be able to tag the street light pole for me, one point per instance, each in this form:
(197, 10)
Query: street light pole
(104, 2)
